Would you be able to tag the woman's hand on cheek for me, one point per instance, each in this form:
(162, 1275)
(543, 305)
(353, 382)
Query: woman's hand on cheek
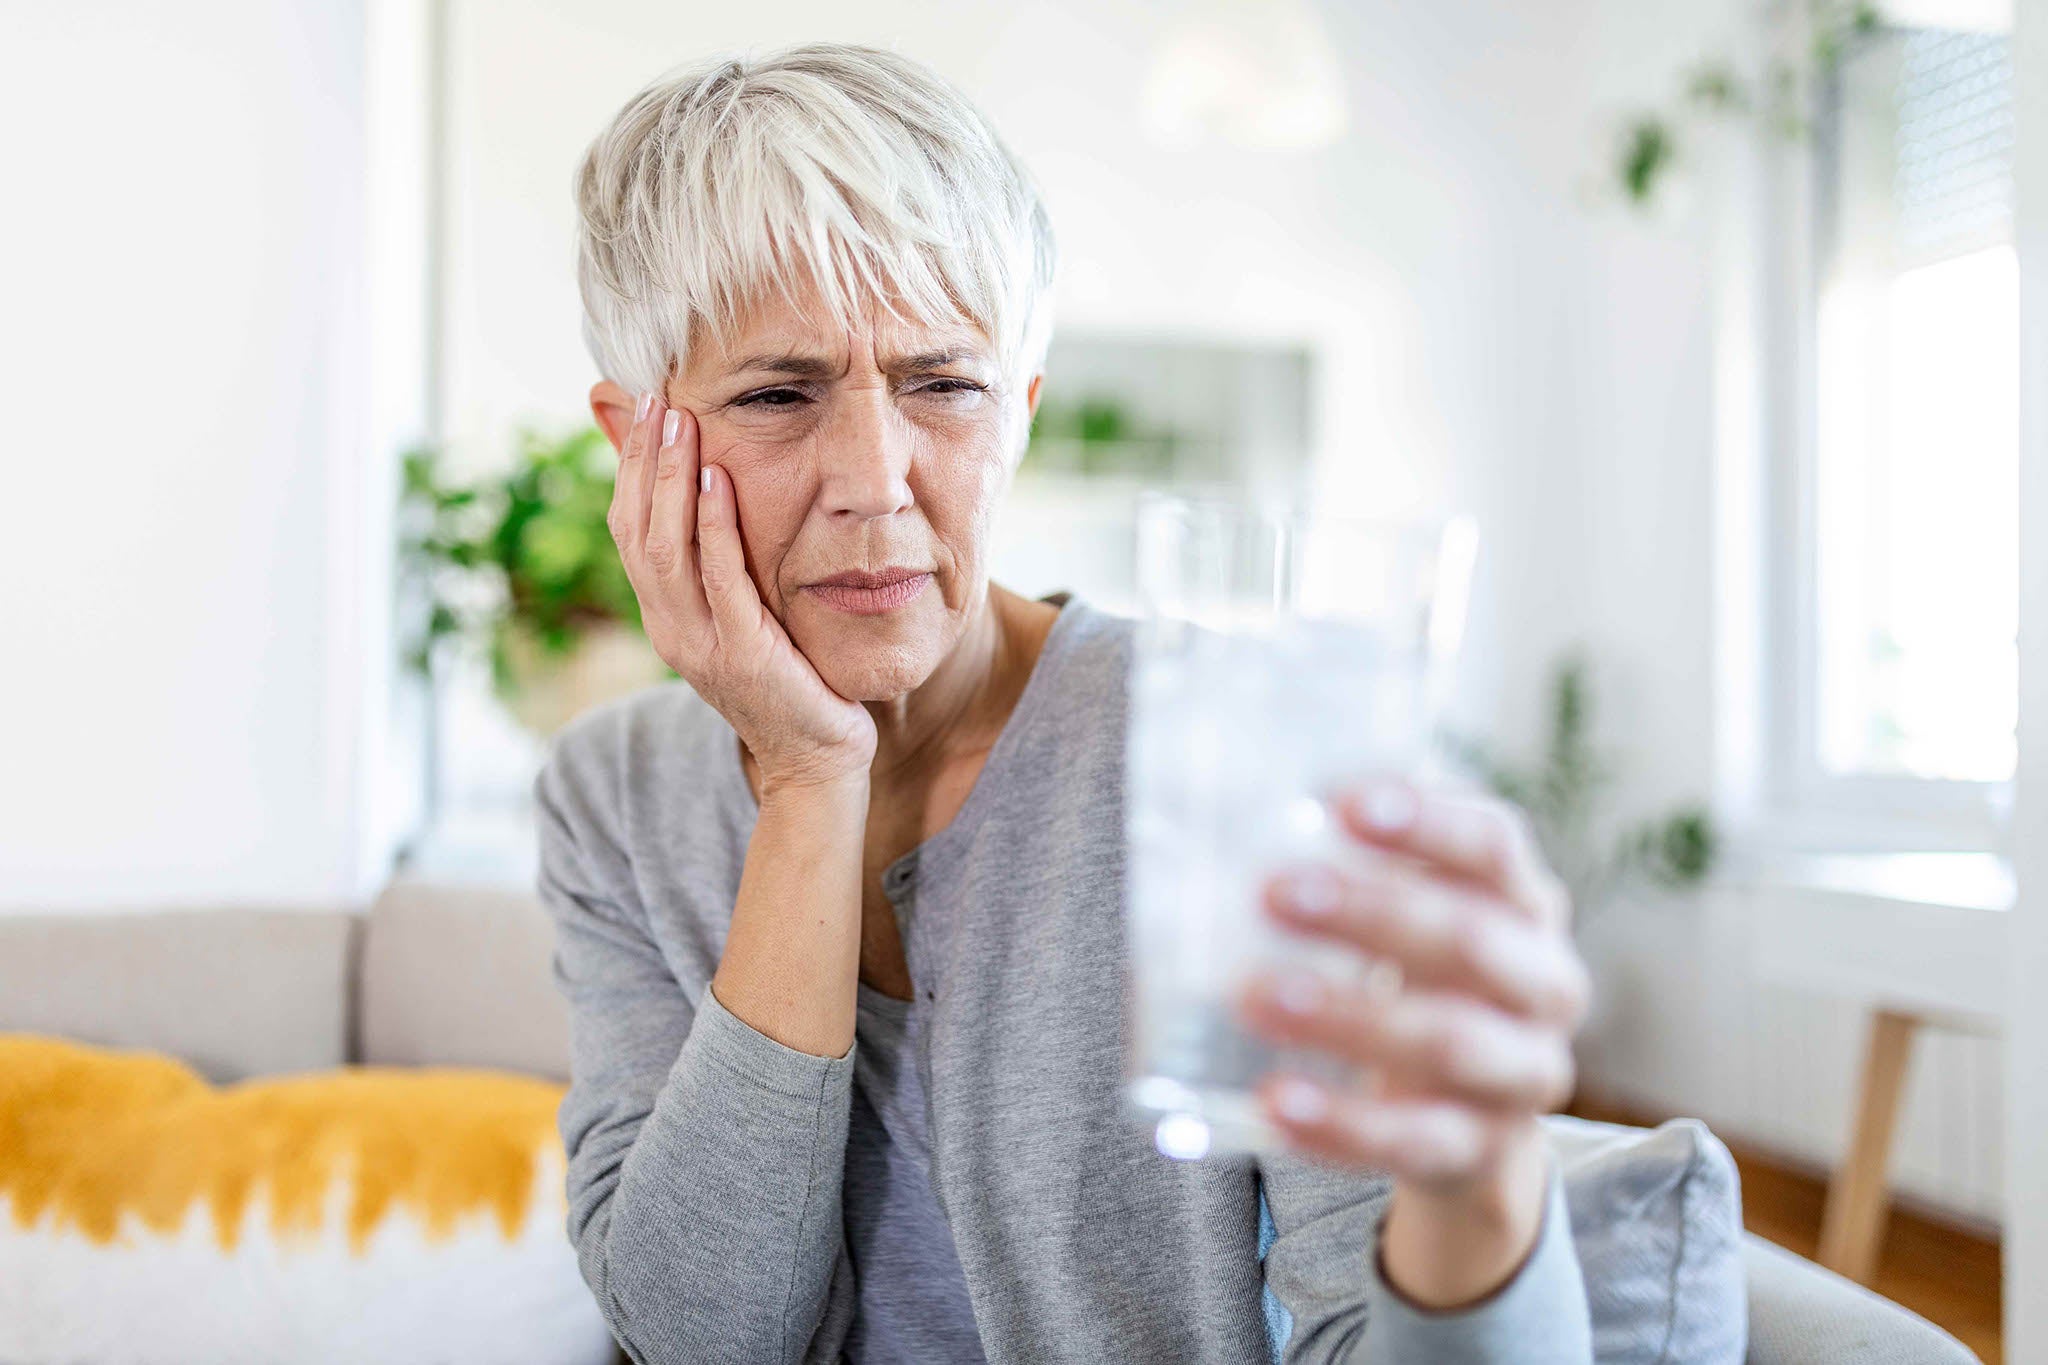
(1463, 1056)
(676, 522)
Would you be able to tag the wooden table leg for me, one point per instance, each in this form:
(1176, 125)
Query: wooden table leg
(1852, 1229)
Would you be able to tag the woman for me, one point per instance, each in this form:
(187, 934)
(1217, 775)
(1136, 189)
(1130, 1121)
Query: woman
(840, 922)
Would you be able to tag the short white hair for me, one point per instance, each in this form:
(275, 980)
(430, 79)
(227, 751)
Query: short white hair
(852, 169)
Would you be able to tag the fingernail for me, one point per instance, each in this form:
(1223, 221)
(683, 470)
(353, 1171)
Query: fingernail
(704, 478)
(1300, 1101)
(1386, 805)
(1294, 991)
(670, 425)
(646, 406)
(1310, 892)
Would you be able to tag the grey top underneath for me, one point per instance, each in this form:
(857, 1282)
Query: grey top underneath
(914, 1304)
(708, 1163)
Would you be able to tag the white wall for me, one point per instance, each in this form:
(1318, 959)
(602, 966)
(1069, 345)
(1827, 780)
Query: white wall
(183, 379)
(2026, 1244)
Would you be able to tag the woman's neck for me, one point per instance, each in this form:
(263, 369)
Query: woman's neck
(962, 706)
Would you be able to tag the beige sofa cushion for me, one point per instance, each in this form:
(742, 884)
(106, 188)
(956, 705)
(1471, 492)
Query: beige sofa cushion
(235, 992)
(461, 975)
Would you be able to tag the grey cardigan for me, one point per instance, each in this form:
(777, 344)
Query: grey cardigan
(705, 1159)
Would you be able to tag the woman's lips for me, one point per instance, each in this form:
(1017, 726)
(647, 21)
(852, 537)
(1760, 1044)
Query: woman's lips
(870, 601)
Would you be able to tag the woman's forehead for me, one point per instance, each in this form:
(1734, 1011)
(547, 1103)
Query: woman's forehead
(773, 333)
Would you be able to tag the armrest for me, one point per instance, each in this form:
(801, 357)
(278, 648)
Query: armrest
(1800, 1314)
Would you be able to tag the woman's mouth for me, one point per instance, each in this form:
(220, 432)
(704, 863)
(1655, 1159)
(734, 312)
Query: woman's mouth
(869, 594)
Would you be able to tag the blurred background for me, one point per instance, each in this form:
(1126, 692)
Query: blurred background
(1711, 313)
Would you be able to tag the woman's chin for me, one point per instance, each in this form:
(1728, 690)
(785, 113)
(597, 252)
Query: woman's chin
(870, 658)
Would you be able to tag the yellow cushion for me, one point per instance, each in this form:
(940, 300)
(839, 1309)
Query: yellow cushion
(343, 1192)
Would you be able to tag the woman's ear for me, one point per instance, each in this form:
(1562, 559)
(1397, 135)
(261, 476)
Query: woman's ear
(613, 407)
(1022, 440)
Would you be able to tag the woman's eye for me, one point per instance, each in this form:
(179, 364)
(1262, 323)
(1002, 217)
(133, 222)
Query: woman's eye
(772, 398)
(791, 398)
(952, 386)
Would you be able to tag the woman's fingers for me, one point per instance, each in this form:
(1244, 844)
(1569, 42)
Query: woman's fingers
(627, 516)
(1431, 1042)
(1479, 838)
(672, 508)
(1417, 1138)
(652, 517)
(721, 559)
(1442, 935)
(1478, 1038)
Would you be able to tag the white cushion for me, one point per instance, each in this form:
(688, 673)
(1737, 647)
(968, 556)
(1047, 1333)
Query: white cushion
(1657, 1221)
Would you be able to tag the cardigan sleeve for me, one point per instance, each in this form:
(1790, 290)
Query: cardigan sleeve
(704, 1157)
(1324, 1268)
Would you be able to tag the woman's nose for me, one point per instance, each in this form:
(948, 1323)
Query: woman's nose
(866, 462)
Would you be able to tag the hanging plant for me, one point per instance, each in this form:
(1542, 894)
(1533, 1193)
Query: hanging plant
(1776, 98)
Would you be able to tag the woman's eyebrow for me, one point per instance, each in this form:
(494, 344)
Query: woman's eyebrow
(935, 360)
(816, 367)
(786, 362)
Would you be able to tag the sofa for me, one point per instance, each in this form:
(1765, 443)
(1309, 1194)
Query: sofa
(446, 974)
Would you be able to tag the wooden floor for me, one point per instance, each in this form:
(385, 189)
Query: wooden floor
(1945, 1274)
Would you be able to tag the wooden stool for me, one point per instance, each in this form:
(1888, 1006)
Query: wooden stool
(1852, 1226)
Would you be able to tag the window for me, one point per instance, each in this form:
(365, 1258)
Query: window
(1900, 684)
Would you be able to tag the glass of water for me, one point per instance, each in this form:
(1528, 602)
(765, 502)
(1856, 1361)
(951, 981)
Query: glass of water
(1281, 652)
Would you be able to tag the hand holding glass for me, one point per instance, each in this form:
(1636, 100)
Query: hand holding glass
(1280, 655)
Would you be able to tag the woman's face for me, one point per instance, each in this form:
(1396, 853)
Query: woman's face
(877, 452)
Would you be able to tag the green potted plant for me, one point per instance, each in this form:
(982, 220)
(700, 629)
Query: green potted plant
(523, 564)
(1096, 435)
(1564, 794)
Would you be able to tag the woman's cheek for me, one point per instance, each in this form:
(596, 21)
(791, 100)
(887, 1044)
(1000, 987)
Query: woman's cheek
(967, 500)
(769, 433)
(967, 466)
